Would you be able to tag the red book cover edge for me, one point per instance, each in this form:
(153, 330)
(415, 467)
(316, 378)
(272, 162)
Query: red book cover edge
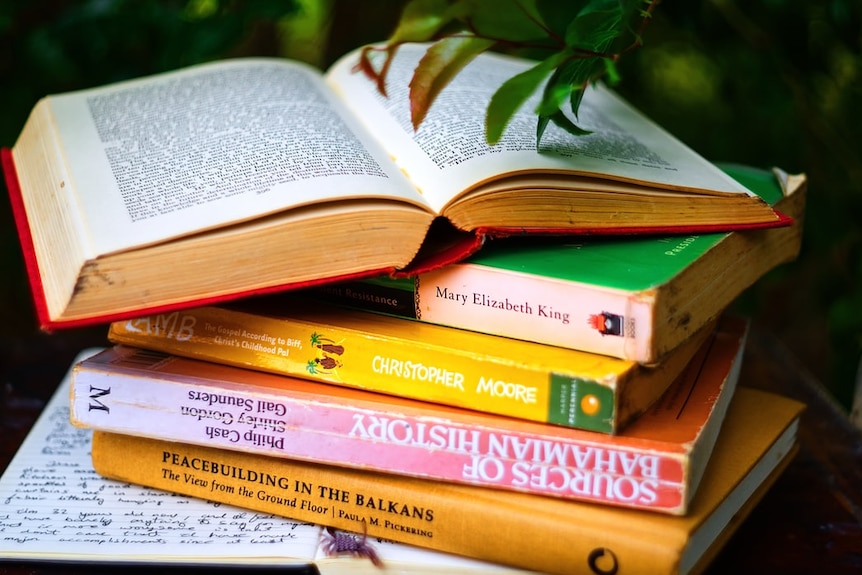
(19, 215)
(451, 246)
(459, 247)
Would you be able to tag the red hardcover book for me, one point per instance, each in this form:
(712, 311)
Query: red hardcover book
(137, 197)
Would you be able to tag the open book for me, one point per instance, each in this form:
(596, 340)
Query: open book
(255, 175)
(74, 515)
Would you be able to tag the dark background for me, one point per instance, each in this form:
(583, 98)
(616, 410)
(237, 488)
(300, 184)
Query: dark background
(761, 82)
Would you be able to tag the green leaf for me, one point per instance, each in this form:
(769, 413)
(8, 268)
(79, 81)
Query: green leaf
(633, 13)
(556, 92)
(420, 21)
(563, 121)
(575, 98)
(557, 15)
(585, 38)
(560, 120)
(611, 72)
(506, 20)
(596, 26)
(512, 95)
(589, 35)
(568, 81)
(441, 62)
(541, 124)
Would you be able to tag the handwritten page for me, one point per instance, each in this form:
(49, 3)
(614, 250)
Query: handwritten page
(53, 506)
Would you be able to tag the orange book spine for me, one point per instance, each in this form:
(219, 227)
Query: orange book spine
(517, 529)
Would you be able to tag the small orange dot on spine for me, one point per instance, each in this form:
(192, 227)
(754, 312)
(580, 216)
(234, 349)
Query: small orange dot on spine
(590, 404)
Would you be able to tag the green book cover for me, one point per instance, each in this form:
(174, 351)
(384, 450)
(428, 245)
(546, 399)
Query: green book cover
(625, 263)
(630, 297)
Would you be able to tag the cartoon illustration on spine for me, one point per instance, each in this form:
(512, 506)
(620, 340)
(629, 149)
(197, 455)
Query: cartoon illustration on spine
(327, 355)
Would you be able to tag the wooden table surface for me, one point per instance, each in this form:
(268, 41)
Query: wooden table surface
(810, 522)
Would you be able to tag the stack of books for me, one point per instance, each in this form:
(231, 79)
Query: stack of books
(549, 383)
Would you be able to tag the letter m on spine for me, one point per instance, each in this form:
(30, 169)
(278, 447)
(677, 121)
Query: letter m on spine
(95, 403)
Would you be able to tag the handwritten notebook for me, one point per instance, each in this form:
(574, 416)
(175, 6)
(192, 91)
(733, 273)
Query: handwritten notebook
(54, 507)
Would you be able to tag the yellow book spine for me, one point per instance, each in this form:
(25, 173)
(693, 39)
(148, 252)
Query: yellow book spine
(418, 361)
(510, 529)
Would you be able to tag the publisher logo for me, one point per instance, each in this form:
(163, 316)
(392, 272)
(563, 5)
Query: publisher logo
(607, 323)
(602, 561)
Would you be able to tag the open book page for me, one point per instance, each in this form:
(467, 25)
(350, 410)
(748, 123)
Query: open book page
(217, 143)
(448, 153)
(54, 507)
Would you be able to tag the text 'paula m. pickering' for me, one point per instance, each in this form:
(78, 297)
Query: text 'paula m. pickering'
(269, 489)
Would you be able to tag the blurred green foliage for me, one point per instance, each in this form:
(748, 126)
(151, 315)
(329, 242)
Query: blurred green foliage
(761, 82)
(56, 45)
(776, 83)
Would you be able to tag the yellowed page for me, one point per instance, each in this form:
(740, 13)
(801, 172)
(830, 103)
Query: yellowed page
(210, 145)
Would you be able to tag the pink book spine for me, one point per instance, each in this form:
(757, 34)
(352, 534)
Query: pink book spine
(358, 434)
